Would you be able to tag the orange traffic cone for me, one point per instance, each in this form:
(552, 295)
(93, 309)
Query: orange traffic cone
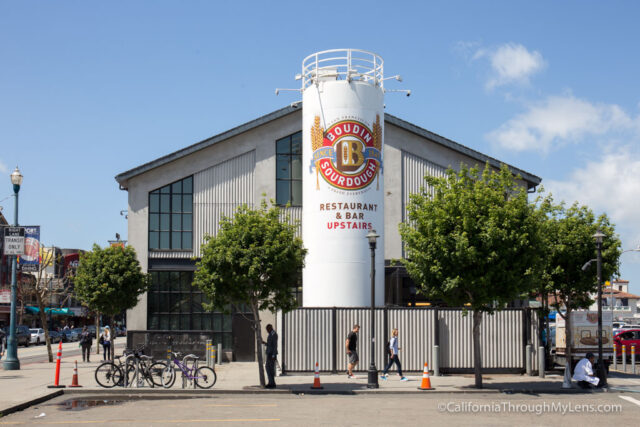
(426, 382)
(57, 379)
(74, 379)
(316, 379)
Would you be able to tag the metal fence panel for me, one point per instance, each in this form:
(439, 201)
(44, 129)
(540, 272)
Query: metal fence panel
(416, 332)
(456, 340)
(308, 339)
(345, 319)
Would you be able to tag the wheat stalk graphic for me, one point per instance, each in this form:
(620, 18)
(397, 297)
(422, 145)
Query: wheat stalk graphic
(317, 136)
(377, 144)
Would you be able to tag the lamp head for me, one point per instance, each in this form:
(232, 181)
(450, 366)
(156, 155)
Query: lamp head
(372, 237)
(16, 177)
(599, 236)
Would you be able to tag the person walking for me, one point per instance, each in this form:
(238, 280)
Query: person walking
(105, 340)
(85, 342)
(272, 353)
(393, 356)
(352, 350)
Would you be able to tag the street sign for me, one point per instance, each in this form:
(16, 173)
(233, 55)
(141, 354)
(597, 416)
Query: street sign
(14, 240)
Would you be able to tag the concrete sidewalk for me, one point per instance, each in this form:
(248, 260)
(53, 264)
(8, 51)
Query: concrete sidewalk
(28, 385)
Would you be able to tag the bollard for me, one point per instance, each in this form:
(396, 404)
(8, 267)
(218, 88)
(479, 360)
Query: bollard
(615, 357)
(633, 359)
(436, 360)
(624, 359)
(219, 354)
(207, 353)
(528, 359)
(541, 362)
(213, 356)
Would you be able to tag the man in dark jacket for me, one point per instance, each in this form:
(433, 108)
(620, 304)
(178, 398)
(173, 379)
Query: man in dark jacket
(85, 341)
(272, 353)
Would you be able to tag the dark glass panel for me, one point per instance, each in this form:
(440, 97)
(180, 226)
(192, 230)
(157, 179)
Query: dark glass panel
(176, 222)
(165, 203)
(196, 322)
(152, 300)
(185, 322)
(164, 240)
(227, 341)
(153, 322)
(296, 143)
(155, 281)
(283, 146)
(226, 323)
(176, 203)
(154, 203)
(187, 240)
(175, 322)
(165, 220)
(283, 170)
(217, 323)
(164, 322)
(196, 303)
(166, 189)
(154, 222)
(186, 222)
(174, 278)
(176, 240)
(296, 167)
(176, 187)
(154, 240)
(187, 203)
(187, 185)
(217, 339)
(165, 303)
(282, 192)
(185, 281)
(163, 278)
(184, 303)
(296, 190)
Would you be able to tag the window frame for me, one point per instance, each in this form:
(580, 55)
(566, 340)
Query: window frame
(163, 213)
(290, 156)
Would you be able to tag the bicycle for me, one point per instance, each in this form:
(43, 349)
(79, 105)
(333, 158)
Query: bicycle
(136, 366)
(203, 376)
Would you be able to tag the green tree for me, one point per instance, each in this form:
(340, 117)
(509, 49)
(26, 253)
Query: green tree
(472, 241)
(569, 243)
(110, 280)
(254, 260)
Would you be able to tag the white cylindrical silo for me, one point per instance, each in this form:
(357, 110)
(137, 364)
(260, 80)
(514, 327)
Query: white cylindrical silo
(343, 187)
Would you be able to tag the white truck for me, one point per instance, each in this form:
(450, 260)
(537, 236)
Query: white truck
(584, 328)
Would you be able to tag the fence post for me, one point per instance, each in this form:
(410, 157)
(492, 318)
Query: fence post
(528, 359)
(219, 353)
(207, 353)
(283, 366)
(436, 343)
(541, 362)
(334, 340)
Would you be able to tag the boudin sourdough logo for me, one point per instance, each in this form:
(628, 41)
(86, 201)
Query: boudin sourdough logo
(347, 155)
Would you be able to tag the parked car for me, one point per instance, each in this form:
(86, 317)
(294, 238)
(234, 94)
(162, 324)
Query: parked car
(23, 335)
(37, 336)
(71, 334)
(55, 337)
(627, 337)
(3, 341)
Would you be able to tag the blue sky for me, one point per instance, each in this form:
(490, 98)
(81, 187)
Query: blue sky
(91, 89)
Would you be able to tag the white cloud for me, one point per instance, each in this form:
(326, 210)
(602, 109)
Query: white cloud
(611, 185)
(559, 120)
(511, 63)
(3, 168)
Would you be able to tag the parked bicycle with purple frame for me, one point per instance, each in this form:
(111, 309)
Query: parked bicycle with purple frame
(203, 376)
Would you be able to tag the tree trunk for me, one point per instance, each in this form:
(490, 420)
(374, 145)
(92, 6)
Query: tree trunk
(569, 339)
(258, 331)
(97, 333)
(45, 325)
(477, 356)
(112, 336)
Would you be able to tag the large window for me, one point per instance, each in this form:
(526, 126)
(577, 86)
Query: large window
(289, 170)
(175, 305)
(171, 216)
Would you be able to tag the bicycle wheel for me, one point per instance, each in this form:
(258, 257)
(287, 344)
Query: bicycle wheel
(108, 375)
(168, 377)
(156, 371)
(205, 377)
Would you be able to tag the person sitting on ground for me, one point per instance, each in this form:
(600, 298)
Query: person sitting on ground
(583, 373)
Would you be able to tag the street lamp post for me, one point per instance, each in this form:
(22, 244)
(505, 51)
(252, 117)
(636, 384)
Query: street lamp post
(373, 371)
(12, 363)
(599, 236)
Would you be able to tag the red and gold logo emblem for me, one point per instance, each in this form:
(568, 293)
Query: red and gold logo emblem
(348, 154)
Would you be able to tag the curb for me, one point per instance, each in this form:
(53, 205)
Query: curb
(24, 405)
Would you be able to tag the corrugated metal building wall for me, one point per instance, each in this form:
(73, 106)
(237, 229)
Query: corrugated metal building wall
(313, 335)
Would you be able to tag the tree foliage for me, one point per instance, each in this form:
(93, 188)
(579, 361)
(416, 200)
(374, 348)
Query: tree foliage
(255, 259)
(110, 280)
(472, 239)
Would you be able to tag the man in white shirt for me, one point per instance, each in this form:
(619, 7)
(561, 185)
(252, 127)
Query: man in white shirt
(583, 373)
